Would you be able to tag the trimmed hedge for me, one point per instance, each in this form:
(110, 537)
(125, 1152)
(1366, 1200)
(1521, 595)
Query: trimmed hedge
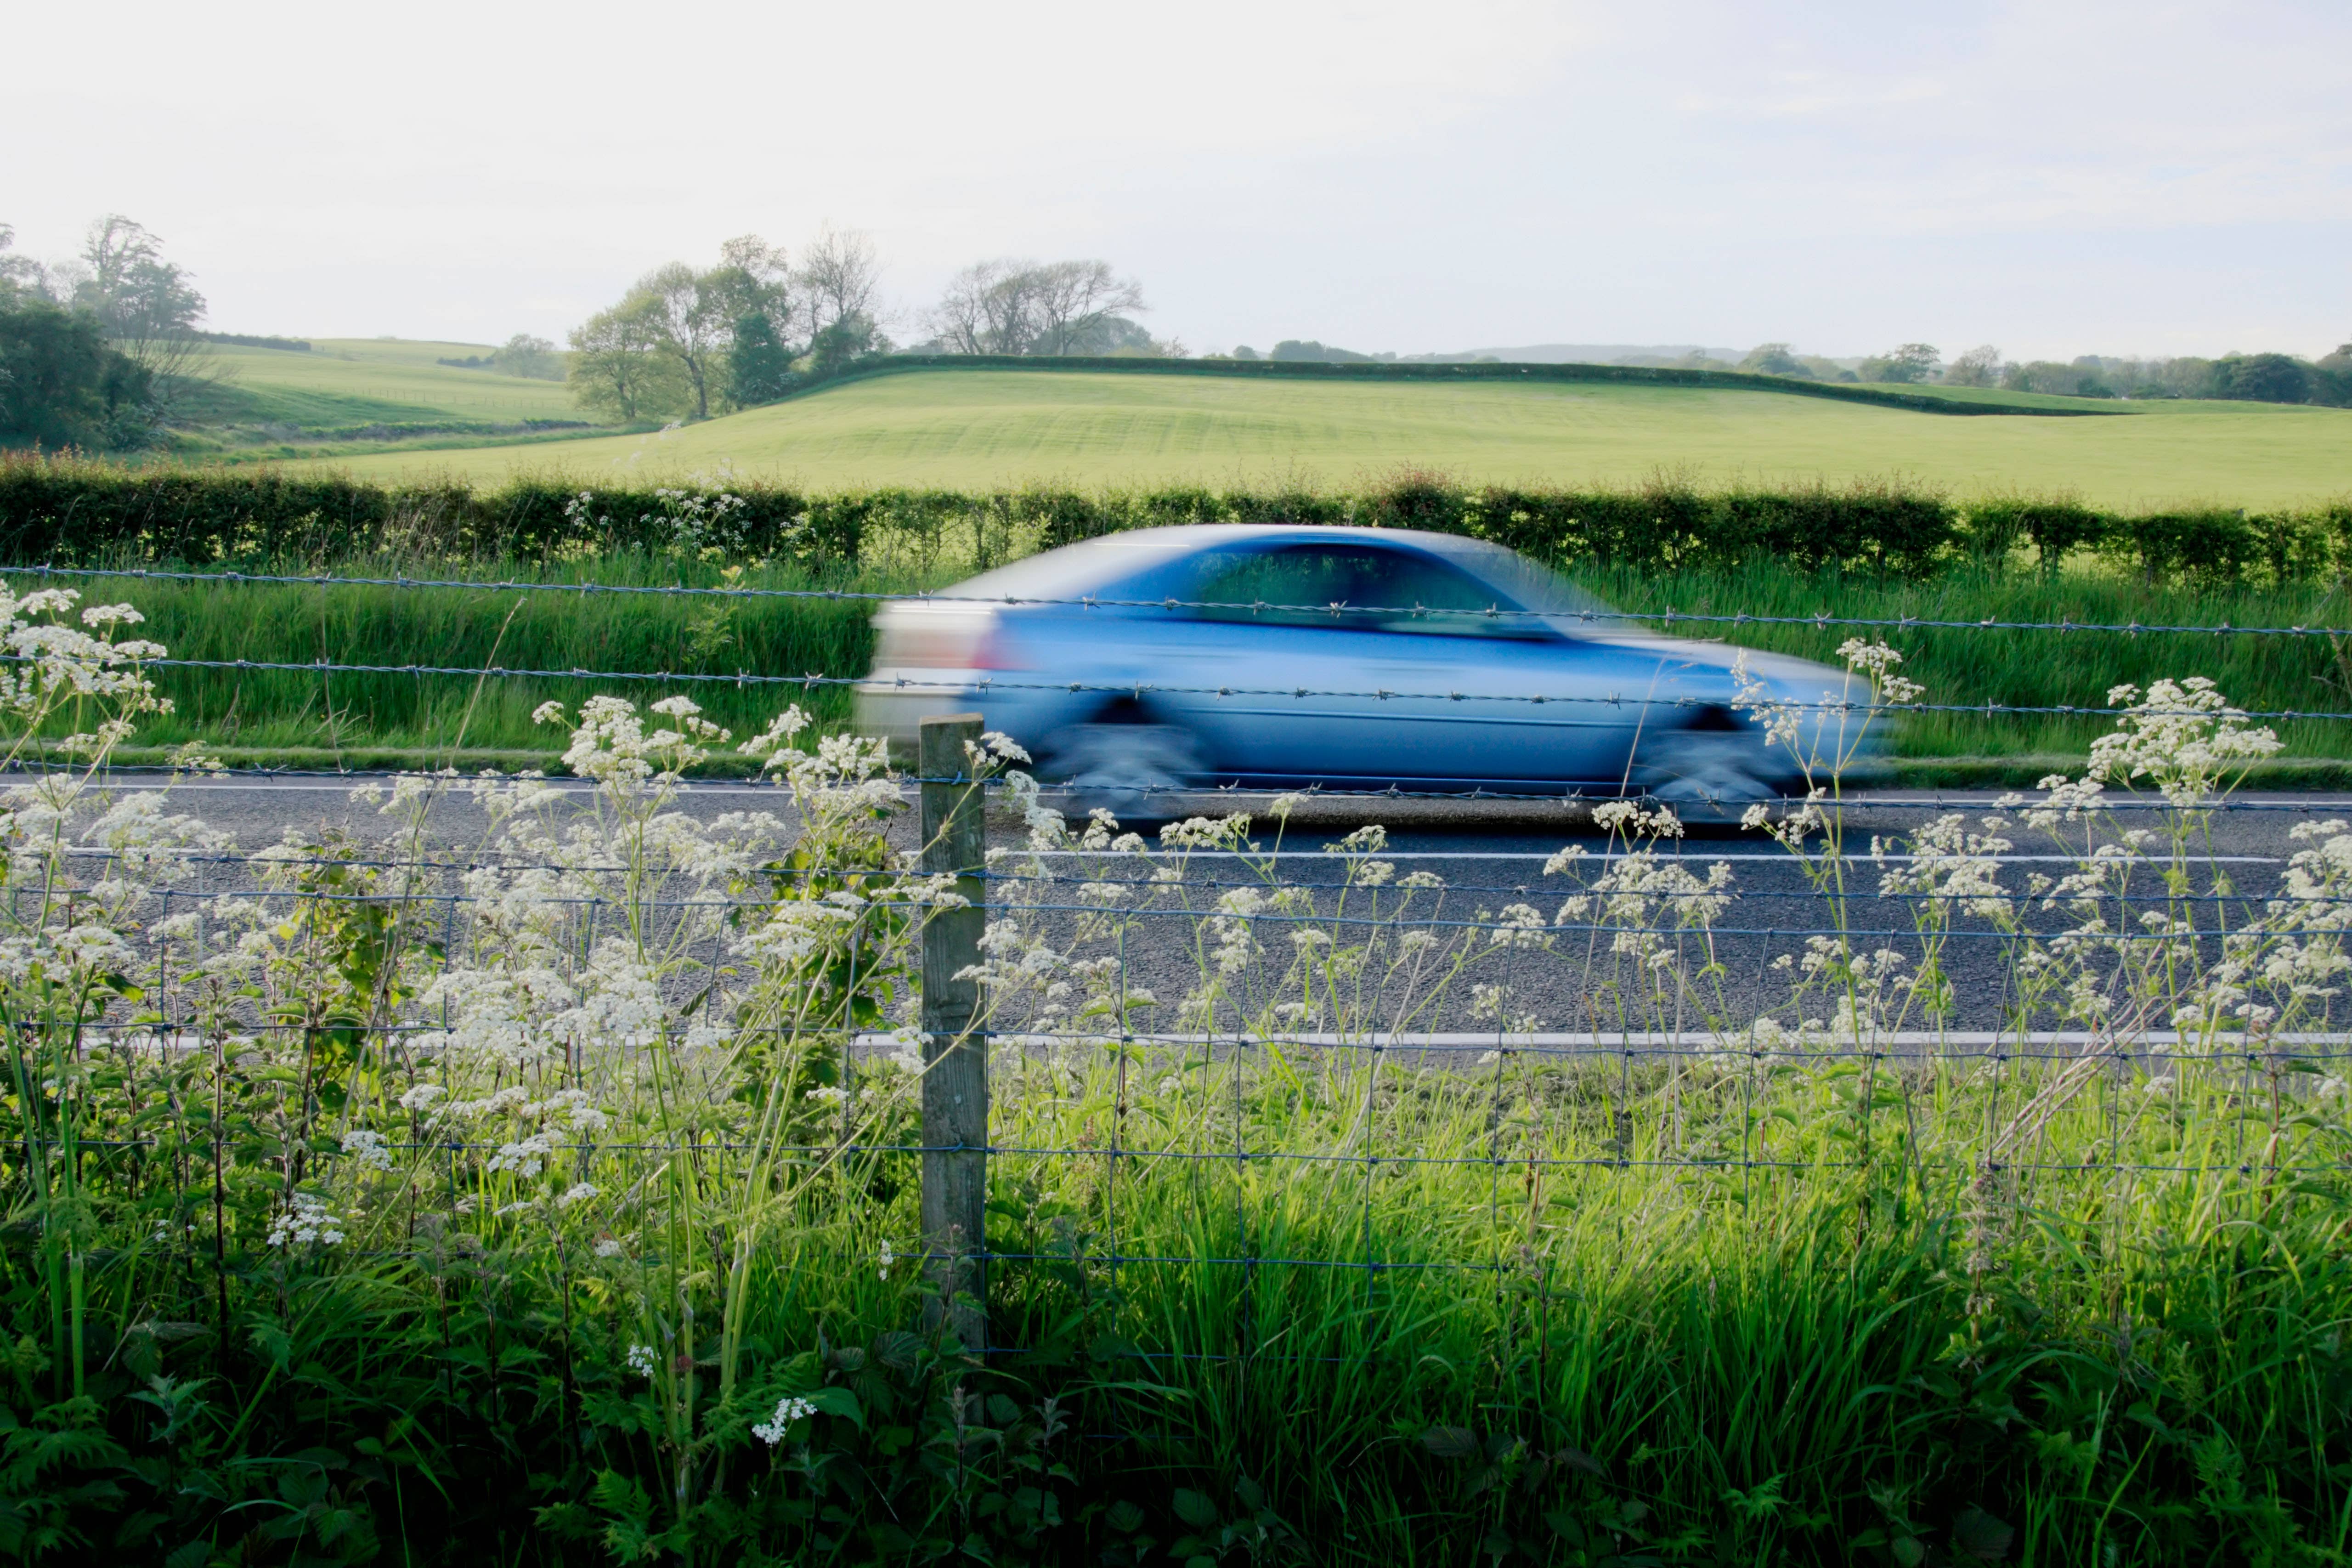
(1891, 396)
(65, 510)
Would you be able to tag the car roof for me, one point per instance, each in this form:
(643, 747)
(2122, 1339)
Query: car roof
(1107, 558)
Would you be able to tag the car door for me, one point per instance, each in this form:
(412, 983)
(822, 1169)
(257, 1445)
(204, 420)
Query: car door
(1356, 664)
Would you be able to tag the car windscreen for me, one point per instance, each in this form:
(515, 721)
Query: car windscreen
(1349, 584)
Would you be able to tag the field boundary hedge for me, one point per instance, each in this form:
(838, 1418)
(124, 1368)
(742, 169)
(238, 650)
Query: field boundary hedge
(66, 511)
(1316, 370)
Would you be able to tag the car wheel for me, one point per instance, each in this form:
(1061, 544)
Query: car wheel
(1133, 771)
(1705, 776)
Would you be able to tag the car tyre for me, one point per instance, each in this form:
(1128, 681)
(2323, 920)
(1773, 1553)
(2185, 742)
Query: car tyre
(1135, 771)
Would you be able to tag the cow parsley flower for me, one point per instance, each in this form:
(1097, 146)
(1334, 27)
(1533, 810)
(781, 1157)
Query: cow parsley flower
(788, 1410)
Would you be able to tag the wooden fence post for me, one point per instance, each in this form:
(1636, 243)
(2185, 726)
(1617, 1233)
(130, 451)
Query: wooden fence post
(955, 1059)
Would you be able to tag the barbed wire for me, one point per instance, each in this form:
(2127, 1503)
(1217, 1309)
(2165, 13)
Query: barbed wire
(1139, 689)
(137, 775)
(1495, 612)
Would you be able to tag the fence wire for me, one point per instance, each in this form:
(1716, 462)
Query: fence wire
(1669, 617)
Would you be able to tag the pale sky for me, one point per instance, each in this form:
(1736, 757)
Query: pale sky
(2054, 177)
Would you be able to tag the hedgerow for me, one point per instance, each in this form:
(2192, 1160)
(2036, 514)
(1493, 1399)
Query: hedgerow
(66, 511)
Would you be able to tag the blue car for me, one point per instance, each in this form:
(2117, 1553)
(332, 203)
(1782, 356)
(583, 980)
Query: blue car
(1145, 663)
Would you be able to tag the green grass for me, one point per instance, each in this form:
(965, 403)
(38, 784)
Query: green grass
(371, 720)
(344, 383)
(982, 428)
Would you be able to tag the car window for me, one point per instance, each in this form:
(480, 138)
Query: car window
(1353, 586)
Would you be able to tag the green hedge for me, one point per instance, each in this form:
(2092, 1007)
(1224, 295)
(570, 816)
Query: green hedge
(1890, 396)
(64, 511)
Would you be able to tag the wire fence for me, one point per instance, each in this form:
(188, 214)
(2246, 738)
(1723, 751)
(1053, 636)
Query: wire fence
(1211, 1068)
(1581, 615)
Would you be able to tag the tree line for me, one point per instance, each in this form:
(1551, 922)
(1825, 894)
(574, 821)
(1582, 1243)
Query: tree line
(2258, 377)
(685, 342)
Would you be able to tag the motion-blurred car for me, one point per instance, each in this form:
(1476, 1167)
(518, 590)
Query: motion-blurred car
(1144, 663)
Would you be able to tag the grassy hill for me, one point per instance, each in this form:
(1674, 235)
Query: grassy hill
(984, 427)
(346, 384)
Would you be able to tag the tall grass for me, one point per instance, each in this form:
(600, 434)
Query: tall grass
(411, 719)
(557, 1200)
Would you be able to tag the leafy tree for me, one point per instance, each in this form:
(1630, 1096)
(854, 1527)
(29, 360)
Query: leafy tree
(1314, 352)
(1243, 351)
(147, 307)
(843, 342)
(1775, 359)
(1979, 366)
(686, 310)
(1909, 363)
(530, 356)
(18, 274)
(618, 367)
(60, 384)
(759, 367)
(2262, 378)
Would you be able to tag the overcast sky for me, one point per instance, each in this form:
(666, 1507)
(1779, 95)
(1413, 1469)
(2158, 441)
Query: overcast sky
(2054, 176)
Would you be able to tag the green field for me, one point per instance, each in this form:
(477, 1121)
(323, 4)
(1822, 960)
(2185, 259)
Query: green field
(347, 383)
(981, 428)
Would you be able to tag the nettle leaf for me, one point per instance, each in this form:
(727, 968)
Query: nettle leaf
(838, 1401)
(1982, 1536)
(1194, 1508)
(1451, 1442)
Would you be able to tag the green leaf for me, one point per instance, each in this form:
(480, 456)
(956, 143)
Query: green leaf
(1194, 1508)
(1451, 1442)
(838, 1401)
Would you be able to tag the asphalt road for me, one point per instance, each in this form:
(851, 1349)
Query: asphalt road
(1491, 853)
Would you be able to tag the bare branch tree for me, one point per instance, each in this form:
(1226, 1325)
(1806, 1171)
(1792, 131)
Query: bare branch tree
(1071, 299)
(840, 275)
(1018, 307)
(962, 319)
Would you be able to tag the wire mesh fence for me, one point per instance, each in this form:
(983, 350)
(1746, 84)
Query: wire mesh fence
(1214, 1066)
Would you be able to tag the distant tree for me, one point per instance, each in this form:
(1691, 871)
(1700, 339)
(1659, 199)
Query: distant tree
(1979, 366)
(840, 275)
(1243, 351)
(618, 365)
(1775, 359)
(1074, 298)
(687, 310)
(751, 279)
(18, 274)
(1911, 363)
(1015, 307)
(1311, 352)
(60, 383)
(987, 308)
(759, 367)
(2262, 378)
(526, 355)
(146, 306)
(843, 342)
